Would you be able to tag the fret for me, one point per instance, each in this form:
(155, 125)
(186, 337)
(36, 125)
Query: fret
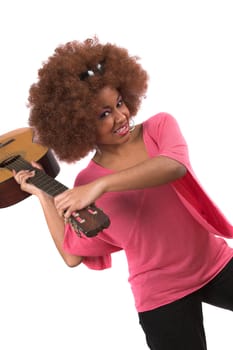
(41, 180)
(89, 221)
(47, 183)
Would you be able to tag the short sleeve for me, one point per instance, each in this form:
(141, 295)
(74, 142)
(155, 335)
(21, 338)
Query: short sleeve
(165, 132)
(167, 140)
(96, 252)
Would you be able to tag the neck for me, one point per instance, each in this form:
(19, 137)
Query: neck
(109, 151)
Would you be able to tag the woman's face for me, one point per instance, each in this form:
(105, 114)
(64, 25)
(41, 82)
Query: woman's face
(113, 118)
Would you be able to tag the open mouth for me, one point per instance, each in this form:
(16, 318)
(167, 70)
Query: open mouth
(122, 130)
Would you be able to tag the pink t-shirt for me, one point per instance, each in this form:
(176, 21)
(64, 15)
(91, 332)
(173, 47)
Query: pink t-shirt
(168, 232)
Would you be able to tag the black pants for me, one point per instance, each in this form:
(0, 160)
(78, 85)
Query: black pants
(179, 325)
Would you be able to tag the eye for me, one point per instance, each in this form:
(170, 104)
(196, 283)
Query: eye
(103, 115)
(120, 102)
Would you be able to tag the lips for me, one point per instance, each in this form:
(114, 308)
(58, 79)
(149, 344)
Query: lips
(122, 130)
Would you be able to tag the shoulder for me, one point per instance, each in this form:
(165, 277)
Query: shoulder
(159, 122)
(158, 118)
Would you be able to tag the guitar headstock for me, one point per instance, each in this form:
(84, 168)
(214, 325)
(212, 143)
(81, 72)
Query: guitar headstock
(89, 221)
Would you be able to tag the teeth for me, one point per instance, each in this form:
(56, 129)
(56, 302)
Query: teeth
(118, 131)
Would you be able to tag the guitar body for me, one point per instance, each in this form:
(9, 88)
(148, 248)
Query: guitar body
(20, 142)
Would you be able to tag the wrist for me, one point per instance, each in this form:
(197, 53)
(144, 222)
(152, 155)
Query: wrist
(102, 185)
(44, 197)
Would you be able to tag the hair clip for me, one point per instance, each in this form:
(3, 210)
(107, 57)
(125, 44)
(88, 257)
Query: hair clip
(90, 73)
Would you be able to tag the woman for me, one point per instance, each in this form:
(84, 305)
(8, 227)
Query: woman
(85, 99)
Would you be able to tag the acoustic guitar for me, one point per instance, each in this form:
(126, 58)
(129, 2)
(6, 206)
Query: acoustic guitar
(17, 150)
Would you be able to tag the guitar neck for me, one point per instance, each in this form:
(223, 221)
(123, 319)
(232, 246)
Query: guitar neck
(46, 183)
(90, 220)
(41, 180)
(17, 150)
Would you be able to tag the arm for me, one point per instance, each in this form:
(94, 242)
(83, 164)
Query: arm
(54, 221)
(56, 227)
(150, 173)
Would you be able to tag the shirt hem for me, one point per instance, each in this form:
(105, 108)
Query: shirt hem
(185, 293)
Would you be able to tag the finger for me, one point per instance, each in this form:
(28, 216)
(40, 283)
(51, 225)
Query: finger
(19, 175)
(61, 200)
(62, 209)
(67, 213)
(23, 176)
(36, 165)
(61, 213)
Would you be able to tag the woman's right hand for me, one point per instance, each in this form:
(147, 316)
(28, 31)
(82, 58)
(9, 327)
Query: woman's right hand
(22, 176)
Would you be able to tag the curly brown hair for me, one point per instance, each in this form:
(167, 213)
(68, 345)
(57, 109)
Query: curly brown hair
(62, 101)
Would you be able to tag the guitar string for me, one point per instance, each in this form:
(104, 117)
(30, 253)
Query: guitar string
(49, 184)
(54, 188)
(45, 182)
(42, 180)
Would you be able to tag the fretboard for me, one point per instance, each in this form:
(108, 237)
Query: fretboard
(41, 180)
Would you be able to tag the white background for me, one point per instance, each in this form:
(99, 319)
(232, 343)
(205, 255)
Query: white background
(187, 48)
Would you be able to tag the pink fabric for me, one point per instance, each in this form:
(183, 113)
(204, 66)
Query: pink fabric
(168, 233)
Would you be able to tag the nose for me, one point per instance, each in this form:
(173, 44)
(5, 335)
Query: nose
(119, 116)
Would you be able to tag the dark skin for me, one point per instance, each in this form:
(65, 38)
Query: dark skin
(118, 149)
